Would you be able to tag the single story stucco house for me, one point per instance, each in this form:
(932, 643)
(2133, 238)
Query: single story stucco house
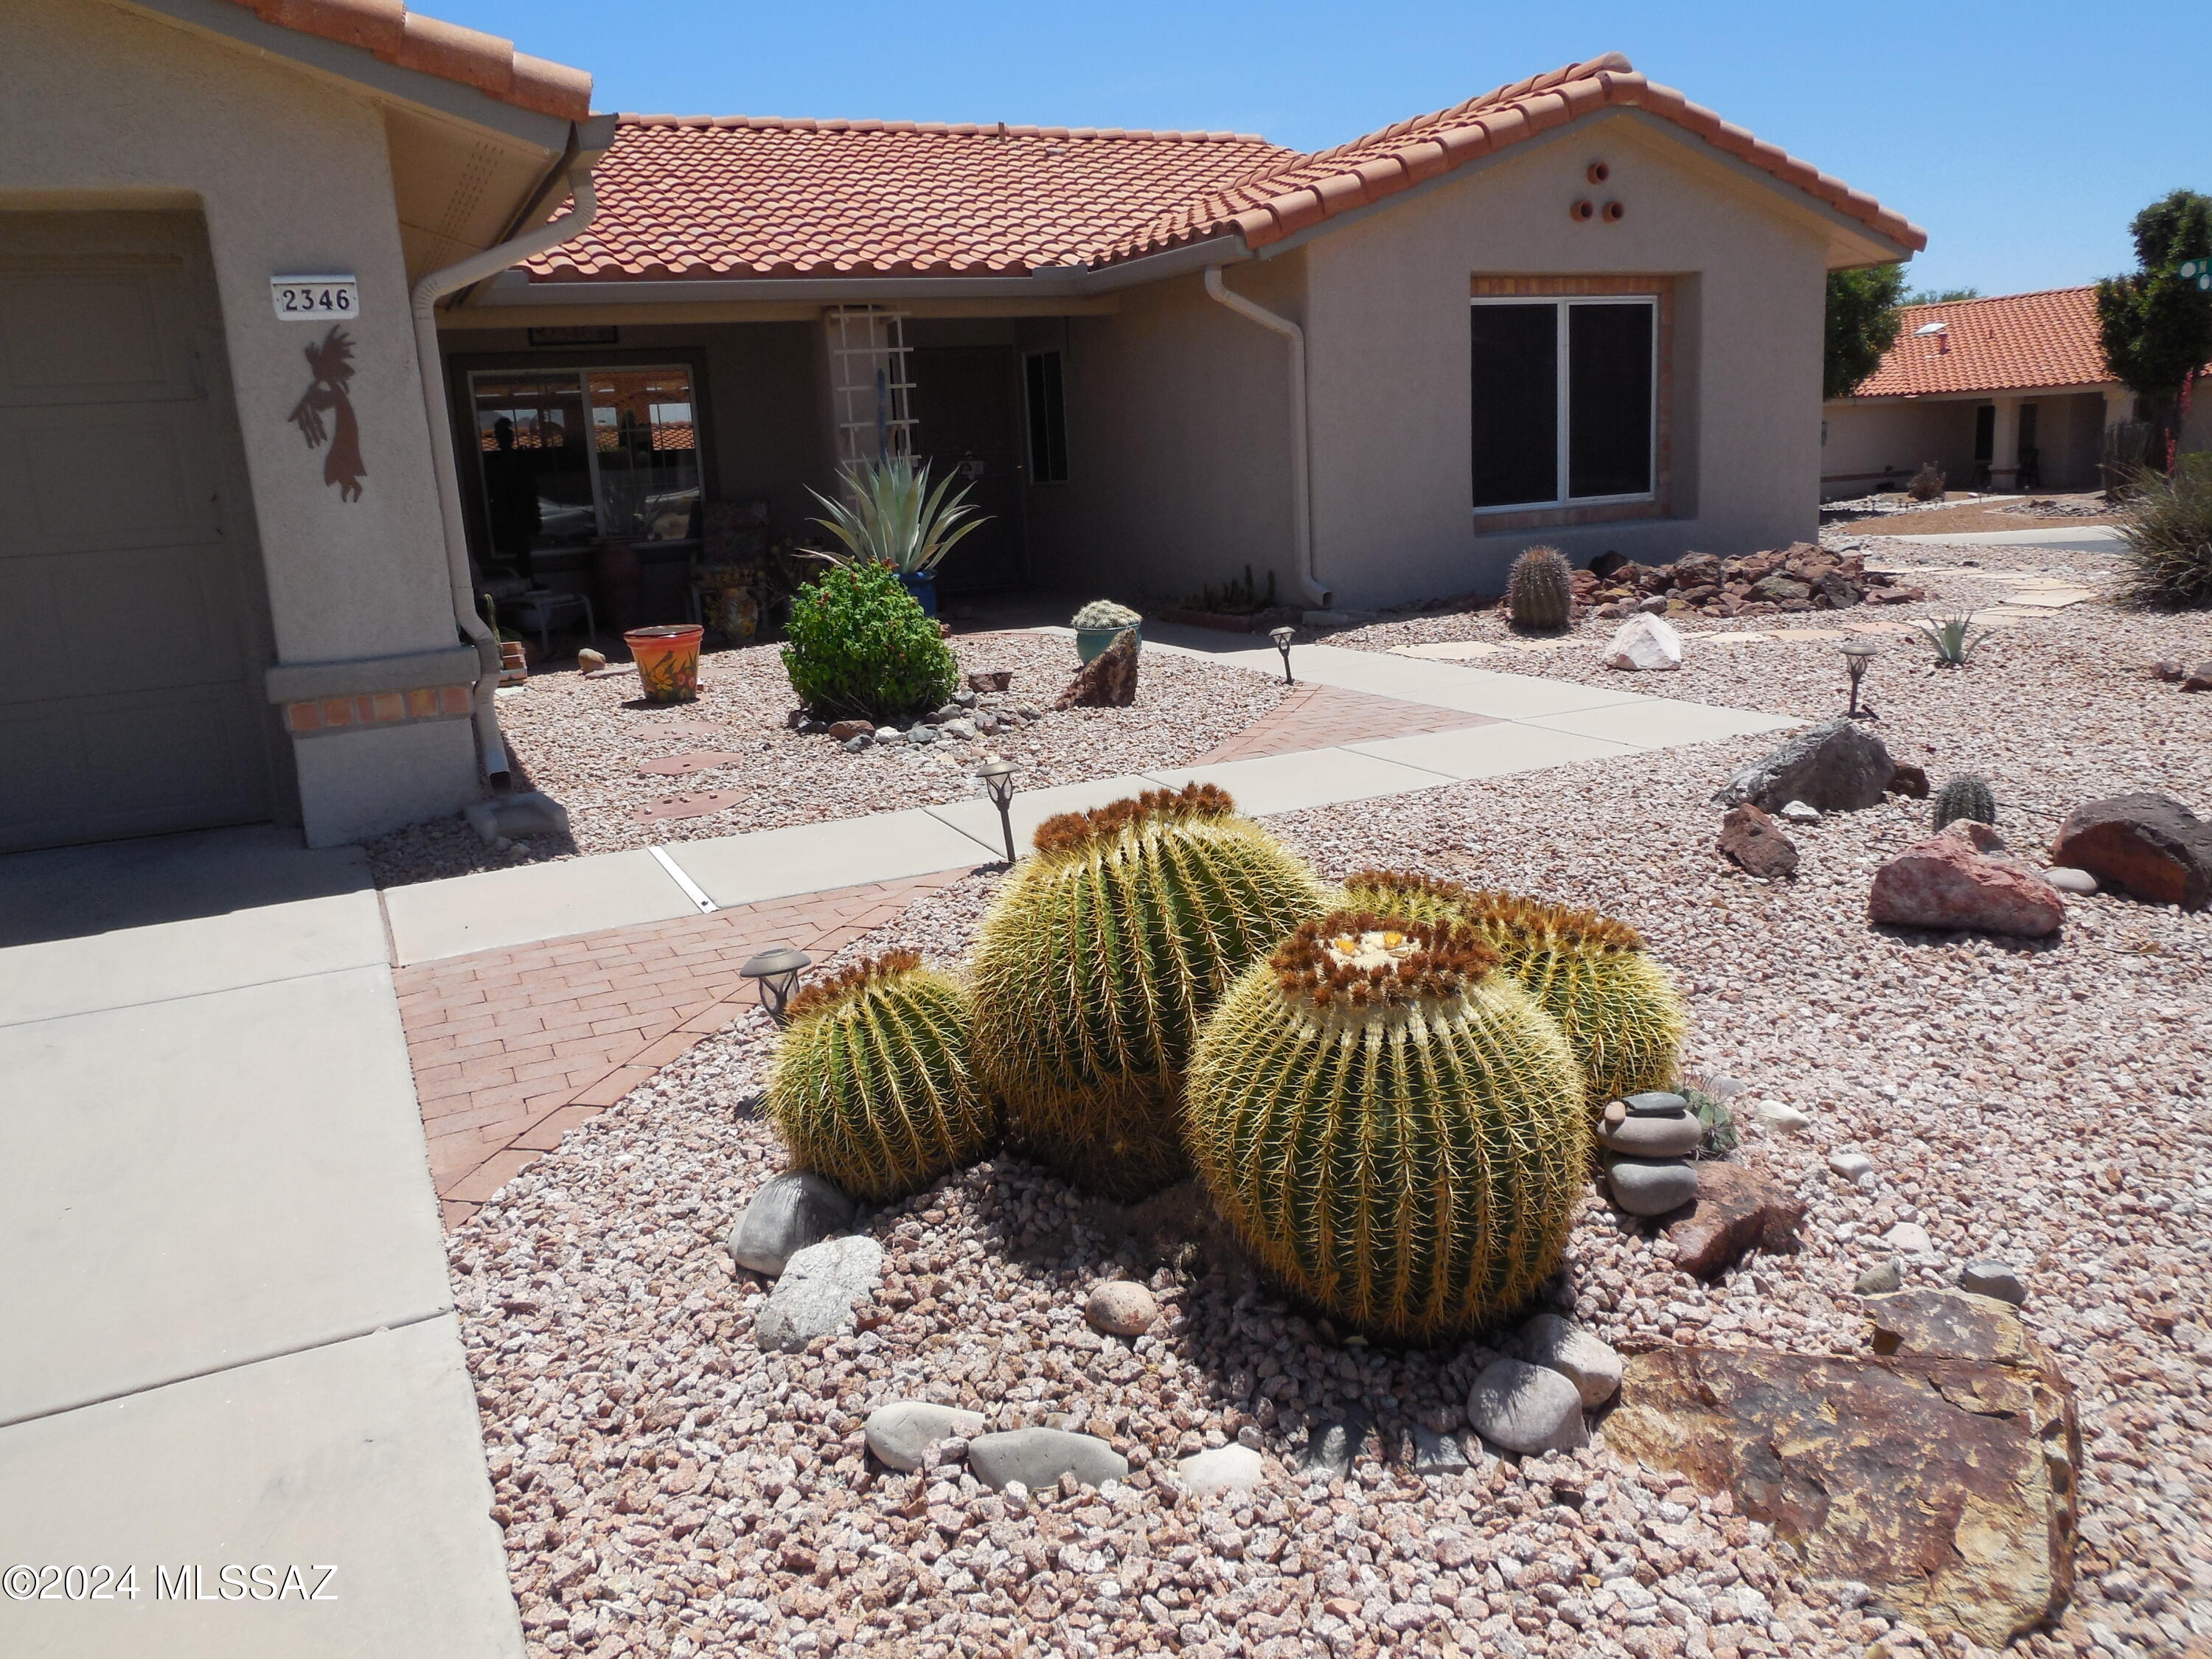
(1579, 309)
(2002, 393)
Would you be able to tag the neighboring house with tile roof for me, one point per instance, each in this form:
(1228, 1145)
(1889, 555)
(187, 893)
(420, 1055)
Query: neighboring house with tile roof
(1578, 308)
(2000, 393)
(243, 499)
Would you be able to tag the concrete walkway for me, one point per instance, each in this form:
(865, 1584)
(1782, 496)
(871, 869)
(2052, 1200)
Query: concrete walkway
(226, 1333)
(1530, 724)
(2089, 538)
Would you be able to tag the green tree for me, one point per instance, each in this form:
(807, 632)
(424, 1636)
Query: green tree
(2155, 324)
(1940, 296)
(1862, 324)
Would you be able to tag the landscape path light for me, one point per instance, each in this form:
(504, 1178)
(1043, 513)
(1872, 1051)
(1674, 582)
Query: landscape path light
(1858, 652)
(997, 777)
(775, 973)
(1282, 637)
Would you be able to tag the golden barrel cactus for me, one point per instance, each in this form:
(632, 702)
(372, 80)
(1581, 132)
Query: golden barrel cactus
(872, 1087)
(1098, 960)
(1618, 1005)
(1392, 1124)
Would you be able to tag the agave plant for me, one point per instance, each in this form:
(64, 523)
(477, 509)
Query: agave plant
(1953, 639)
(891, 516)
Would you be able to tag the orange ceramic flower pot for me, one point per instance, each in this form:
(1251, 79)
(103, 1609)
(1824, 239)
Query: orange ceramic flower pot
(667, 660)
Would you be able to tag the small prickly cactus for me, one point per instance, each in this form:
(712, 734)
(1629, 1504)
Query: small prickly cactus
(1967, 797)
(1540, 590)
(1391, 1125)
(1098, 960)
(873, 1088)
(1618, 1006)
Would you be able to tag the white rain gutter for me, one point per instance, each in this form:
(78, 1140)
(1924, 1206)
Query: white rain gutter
(491, 749)
(1301, 462)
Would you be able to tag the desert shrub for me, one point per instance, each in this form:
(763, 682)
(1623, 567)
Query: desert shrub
(861, 648)
(2166, 523)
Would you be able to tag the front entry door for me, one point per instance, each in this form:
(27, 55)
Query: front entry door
(964, 409)
(127, 701)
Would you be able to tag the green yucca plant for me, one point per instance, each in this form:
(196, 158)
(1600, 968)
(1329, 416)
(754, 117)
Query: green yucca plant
(1539, 589)
(1619, 1007)
(1393, 1126)
(871, 1085)
(1954, 638)
(1097, 961)
(2166, 524)
(1965, 797)
(891, 516)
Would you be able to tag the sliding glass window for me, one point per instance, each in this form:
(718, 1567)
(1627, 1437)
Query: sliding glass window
(1563, 400)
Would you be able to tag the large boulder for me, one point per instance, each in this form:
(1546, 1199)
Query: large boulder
(1945, 1484)
(1737, 1209)
(1109, 680)
(1947, 882)
(1838, 766)
(2150, 847)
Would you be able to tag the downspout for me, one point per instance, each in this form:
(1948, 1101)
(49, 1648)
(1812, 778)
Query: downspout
(491, 749)
(1301, 463)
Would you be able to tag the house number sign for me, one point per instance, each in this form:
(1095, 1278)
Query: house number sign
(316, 298)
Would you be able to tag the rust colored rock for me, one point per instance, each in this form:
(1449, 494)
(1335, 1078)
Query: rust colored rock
(2149, 846)
(990, 679)
(1945, 1485)
(1948, 1325)
(1945, 882)
(1737, 1209)
(1982, 838)
(845, 730)
(2168, 670)
(1910, 780)
(1755, 841)
(1109, 680)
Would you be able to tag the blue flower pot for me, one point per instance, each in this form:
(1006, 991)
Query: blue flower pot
(922, 584)
(1090, 642)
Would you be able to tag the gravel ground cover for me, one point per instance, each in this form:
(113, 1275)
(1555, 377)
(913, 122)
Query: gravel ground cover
(580, 740)
(668, 1488)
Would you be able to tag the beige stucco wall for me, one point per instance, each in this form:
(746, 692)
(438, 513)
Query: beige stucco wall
(106, 108)
(1894, 438)
(1178, 443)
(1387, 331)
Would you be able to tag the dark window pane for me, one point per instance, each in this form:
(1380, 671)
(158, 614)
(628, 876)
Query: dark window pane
(1609, 400)
(1048, 420)
(1516, 404)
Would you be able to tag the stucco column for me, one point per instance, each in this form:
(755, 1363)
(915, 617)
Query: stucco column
(2004, 444)
(2119, 405)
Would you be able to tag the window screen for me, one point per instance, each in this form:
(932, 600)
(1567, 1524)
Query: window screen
(1048, 420)
(1515, 402)
(1608, 400)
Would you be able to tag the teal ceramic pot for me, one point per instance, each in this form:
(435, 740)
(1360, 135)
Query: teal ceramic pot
(1090, 642)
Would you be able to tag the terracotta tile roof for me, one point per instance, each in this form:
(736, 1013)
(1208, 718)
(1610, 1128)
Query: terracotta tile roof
(386, 30)
(2013, 341)
(741, 197)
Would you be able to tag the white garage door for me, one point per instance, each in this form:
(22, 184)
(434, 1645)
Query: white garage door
(127, 705)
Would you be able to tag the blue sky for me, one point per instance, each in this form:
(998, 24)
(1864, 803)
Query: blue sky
(2023, 136)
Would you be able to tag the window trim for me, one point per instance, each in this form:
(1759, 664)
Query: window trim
(1563, 306)
(1029, 417)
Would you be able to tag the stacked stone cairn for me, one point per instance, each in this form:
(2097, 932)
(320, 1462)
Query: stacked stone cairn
(1647, 1143)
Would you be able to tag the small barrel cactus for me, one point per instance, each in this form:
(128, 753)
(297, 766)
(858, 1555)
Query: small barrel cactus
(1104, 613)
(1098, 960)
(1540, 590)
(1391, 1125)
(1966, 796)
(1618, 1006)
(871, 1086)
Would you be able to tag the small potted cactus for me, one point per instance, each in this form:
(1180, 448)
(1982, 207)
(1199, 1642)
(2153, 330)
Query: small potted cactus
(1098, 622)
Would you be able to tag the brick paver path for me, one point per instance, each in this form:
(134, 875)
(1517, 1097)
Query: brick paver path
(1318, 716)
(512, 1048)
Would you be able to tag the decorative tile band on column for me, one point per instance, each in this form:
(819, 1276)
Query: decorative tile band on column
(322, 714)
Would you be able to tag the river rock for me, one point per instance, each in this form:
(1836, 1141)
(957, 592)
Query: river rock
(2070, 880)
(1944, 1485)
(1838, 766)
(786, 1215)
(1643, 1136)
(820, 1286)
(1584, 1358)
(1881, 1279)
(1737, 1209)
(1944, 882)
(900, 1432)
(1652, 1186)
(1225, 1468)
(1038, 1458)
(2149, 846)
(1999, 1281)
(1120, 1307)
(1657, 1102)
(1526, 1408)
